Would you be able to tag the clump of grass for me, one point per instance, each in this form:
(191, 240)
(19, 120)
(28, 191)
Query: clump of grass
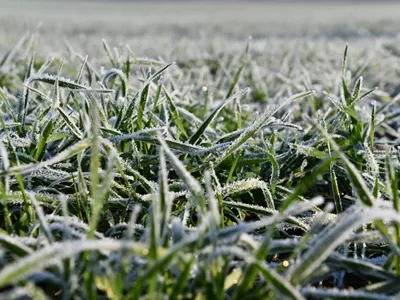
(123, 184)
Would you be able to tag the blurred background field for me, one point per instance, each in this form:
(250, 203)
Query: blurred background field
(146, 26)
(312, 32)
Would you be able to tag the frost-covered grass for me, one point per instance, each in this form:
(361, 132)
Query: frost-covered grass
(267, 170)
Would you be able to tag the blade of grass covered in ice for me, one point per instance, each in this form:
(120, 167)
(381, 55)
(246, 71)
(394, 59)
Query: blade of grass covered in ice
(56, 92)
(362, 96)
(127, 70)
(357, 88)
(144, 93)
(331, 237)
(70, 123)
(344, 59)
(370, 162)
(44, 96)
(236, 158)
(154, 227)
(45, 66)
(103, 190)
(175, 113)
(190, 117)
(14, 245)
(392, 186)
(23, 106)
(284, 289)
(164, 198)
(389, 287)
(147, 185)
(258, 123)
(81, 70)
(40, 215)
(62, 82)
(14, 162)
(334, 182)
(191, 183)
(147, 136)
(6, 102)
(194, 138)
(335, 191)
(323, 293)
(309, 151)
(213, 204)
(50, 255)
(248, 185)
(98, 192)
(148, 132)
(109, 54)
(263, 211)
(147, 61)
(4, 188)
(307, 182)
(97, 199)
(156, 99)
(71, 151)
(361, 189)
(47, 130)
(275, 171)
(113, 73)
(372, 126)
(368, 269)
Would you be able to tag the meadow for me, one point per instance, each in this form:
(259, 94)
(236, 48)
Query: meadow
(157, 151)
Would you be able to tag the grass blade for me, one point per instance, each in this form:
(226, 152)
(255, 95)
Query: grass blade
(197, 135)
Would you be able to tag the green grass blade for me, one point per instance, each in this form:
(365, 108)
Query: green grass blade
(175, 114)
(258, 123)
(197, 135)
(70, 123)
(344, 59)
(47, 131)
(14, 245)
(52, 254)
(191, 183)
(283, 288)
(26, 168)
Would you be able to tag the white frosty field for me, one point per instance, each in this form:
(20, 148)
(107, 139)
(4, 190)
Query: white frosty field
(155, 151)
